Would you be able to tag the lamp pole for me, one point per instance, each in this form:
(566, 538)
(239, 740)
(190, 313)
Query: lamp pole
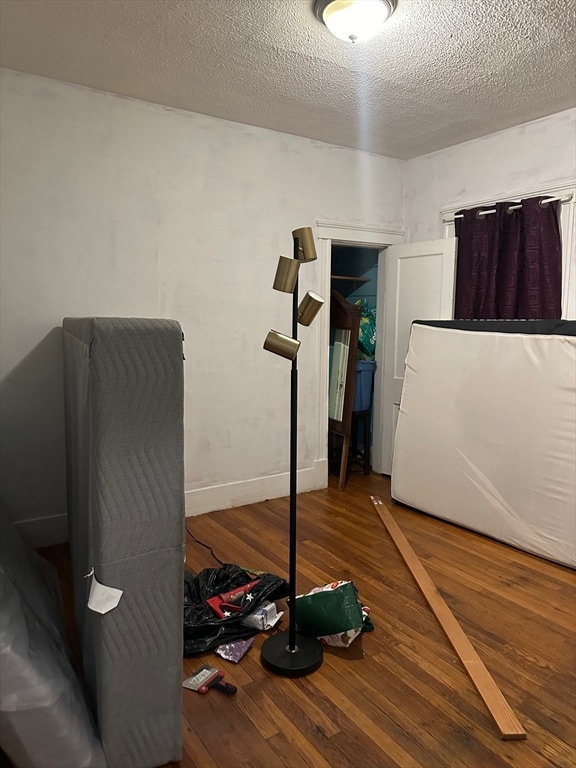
(290, 653)
(293, 470)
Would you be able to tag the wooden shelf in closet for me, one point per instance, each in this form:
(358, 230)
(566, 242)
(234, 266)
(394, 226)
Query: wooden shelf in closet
(350, 279)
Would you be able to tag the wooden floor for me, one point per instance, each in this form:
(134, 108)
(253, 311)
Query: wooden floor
(398, 696)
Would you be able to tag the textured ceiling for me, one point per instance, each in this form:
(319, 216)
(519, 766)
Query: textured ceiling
(441, 73)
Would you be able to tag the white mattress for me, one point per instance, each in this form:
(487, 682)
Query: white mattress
(124, 419)
(486, 434)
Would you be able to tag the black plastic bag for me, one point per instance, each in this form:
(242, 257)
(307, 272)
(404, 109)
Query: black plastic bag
(203, 629)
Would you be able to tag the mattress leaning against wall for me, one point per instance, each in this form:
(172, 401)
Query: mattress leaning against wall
(124, 432)
(44, 718)
(486, 435)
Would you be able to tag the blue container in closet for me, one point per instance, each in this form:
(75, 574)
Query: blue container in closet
(363, 389)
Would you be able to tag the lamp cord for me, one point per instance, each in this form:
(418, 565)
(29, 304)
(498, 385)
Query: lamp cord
(207, 546)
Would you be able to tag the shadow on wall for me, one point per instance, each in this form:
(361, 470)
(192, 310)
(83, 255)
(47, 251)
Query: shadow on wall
(32, 444)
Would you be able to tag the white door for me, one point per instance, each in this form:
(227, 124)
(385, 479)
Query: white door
(415, 282)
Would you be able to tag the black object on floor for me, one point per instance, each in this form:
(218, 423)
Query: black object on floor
(306, 657)
(204, 629)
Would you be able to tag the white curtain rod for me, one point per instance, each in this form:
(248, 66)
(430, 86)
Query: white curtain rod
(512, 208)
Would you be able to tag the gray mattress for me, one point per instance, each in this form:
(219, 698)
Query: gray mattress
(124, 423)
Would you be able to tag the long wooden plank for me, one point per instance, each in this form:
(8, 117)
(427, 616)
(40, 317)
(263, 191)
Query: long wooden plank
(507, 722)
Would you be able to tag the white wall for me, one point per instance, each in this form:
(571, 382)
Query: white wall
(529, 157)
(116, 207)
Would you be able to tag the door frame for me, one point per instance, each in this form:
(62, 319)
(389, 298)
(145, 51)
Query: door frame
(334, 233)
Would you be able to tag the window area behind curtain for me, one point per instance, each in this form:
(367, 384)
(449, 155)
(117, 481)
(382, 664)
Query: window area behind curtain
(509, 263)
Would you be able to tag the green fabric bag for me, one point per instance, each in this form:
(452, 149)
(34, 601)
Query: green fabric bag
(367, 331)
(328, 610)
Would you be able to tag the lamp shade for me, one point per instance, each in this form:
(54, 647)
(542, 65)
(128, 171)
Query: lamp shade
(282, 345)
(309, 307)
(306, 246)
(286, 274)
(354, 21)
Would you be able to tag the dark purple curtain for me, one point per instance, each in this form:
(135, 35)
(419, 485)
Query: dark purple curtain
(509, 263)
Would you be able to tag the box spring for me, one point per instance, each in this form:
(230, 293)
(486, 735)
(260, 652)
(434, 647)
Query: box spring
(124, 422)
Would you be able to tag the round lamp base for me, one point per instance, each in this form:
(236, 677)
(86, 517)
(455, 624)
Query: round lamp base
(307, 656)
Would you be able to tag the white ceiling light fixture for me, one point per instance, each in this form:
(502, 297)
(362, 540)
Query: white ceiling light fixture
(354, 20)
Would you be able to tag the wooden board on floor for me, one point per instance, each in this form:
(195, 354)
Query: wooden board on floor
(507, 722)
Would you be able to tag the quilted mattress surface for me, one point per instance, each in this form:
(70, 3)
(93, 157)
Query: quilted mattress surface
(486, 434)
(124, 422)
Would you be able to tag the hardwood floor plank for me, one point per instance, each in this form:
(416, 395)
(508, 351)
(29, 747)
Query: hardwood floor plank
(470, 728)
(421, 723)
(434, 726)
(552, 718)
(359, 751)
(259, 715)
(339, 690)
(458, 708)
(307, 749)
(301, 695)
(526, 664)
(285, 748)
(470, 575)
(561, 692)
(555, 750)
(195, 752)
(231, 741)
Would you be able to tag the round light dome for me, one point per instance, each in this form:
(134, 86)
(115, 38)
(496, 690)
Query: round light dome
(354, 20)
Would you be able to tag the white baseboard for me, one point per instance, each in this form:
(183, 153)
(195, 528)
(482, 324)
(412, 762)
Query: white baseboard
(230, 495)
(47, 531)
(44, 531)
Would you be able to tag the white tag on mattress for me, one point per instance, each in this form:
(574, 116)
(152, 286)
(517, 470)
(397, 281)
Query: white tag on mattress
(102, 599)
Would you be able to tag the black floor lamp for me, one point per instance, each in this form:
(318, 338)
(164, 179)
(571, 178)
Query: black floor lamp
(291, 653)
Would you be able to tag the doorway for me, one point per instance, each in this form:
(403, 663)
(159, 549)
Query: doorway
(353, 280)
(349, 236)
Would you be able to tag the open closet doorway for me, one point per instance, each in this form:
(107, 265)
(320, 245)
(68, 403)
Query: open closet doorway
(349, 236)
(413, 281)
(352, 358)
